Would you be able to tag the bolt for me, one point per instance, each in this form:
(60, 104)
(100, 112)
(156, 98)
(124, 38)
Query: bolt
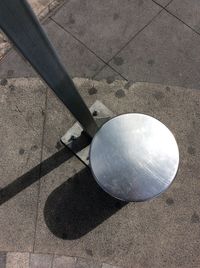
(95, 113)
(72, 138)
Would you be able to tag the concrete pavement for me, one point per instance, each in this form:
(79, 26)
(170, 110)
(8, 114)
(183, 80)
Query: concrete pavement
(50, 204)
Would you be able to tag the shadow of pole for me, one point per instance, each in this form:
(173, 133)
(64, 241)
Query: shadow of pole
(75, 207)
(34, 174)
(43, 168)
(78, 206)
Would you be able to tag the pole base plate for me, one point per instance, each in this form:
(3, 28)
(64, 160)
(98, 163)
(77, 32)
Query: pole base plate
(77, 140)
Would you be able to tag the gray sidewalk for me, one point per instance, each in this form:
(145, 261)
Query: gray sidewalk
(139, 41)
(50, 204)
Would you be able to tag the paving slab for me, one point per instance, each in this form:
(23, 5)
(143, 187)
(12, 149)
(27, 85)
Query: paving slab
(105, 265)
(21, 120)
(76, 58)
(27, 260)
(85, 263)
(166, 52)
(64, 262)
(17, 260)
(14, 65)
(105, 27)
(187, 11)
(76, 218)
(41, 260)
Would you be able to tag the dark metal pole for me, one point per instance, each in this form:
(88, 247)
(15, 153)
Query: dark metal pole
(20, 24)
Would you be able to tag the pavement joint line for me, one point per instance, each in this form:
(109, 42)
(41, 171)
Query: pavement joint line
(108, 65)
(40, 168)
(163, 6)
(172, 14)
(77, 39)
(135, 35)
(49, 16)
(107, 62)
(114, 70)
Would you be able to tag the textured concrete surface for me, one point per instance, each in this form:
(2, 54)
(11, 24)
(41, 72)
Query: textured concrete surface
(86, 20)
(166, 52)
(146, 233)
(41, 261)
(63, 261)
(21, 121)
(74, 55)
(76, 218)
(77, 59)
(108, 266)
(14, 65)
(187, 11)
(17, 260)
(27, 260)
(64, 166)
(83, 263)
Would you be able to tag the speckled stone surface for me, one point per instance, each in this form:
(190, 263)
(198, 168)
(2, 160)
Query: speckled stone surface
(21, 118)
(74, 216)
(41, 260)
(27, 260)
(17, 260)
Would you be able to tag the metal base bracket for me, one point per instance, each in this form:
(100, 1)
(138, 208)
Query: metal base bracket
(77, 140)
